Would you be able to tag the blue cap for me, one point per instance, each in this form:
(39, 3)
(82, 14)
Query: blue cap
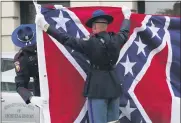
(24, 35)
(99, 14)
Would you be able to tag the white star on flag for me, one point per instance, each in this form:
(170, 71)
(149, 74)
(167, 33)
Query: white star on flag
(61, 21)
(154, 30)
(128, 66)
(78, 35)
(141, 46)
(126, 111)
(72, 51)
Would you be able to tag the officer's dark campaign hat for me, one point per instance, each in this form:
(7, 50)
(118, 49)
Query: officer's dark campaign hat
(99, 14)
(24, 35)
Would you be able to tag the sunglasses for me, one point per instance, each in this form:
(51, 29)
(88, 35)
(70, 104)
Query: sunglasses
(100, 22)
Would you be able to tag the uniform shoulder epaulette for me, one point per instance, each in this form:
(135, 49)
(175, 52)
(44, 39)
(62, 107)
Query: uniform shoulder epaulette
(111, 33)
(18, 55)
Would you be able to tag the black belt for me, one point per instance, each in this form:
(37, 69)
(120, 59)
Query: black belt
(97, 67)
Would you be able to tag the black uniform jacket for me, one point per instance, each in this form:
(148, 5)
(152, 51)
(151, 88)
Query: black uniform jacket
(26, 66)
(103, 51)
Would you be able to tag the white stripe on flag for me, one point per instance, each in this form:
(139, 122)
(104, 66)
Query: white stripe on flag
(135, 82)
(175, 114)
(74, 63)
(79, 69)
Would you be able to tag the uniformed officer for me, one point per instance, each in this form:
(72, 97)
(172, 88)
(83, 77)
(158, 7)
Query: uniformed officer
(26, 63)
(103, 88)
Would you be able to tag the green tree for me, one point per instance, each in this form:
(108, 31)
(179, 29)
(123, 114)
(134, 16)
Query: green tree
(175, 11)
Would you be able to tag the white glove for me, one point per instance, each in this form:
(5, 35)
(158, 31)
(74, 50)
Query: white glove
(38, 101)
(126, 12)
(40, 21)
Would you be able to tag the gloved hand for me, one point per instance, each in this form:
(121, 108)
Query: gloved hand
(38, 101)
(126, 12)
(40, 21)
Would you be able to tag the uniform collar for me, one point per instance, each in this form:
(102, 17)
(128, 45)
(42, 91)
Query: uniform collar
(102, 34)
(31, 49)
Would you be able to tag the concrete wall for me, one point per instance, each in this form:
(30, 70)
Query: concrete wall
(10, 20)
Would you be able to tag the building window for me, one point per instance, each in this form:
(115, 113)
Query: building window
(160, 8)
(27, 9)
(7, 64)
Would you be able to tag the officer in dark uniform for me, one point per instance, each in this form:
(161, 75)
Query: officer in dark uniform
(103, 87)
(26, 63)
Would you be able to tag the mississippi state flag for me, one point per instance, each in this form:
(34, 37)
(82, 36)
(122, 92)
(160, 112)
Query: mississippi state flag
(148, 66)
